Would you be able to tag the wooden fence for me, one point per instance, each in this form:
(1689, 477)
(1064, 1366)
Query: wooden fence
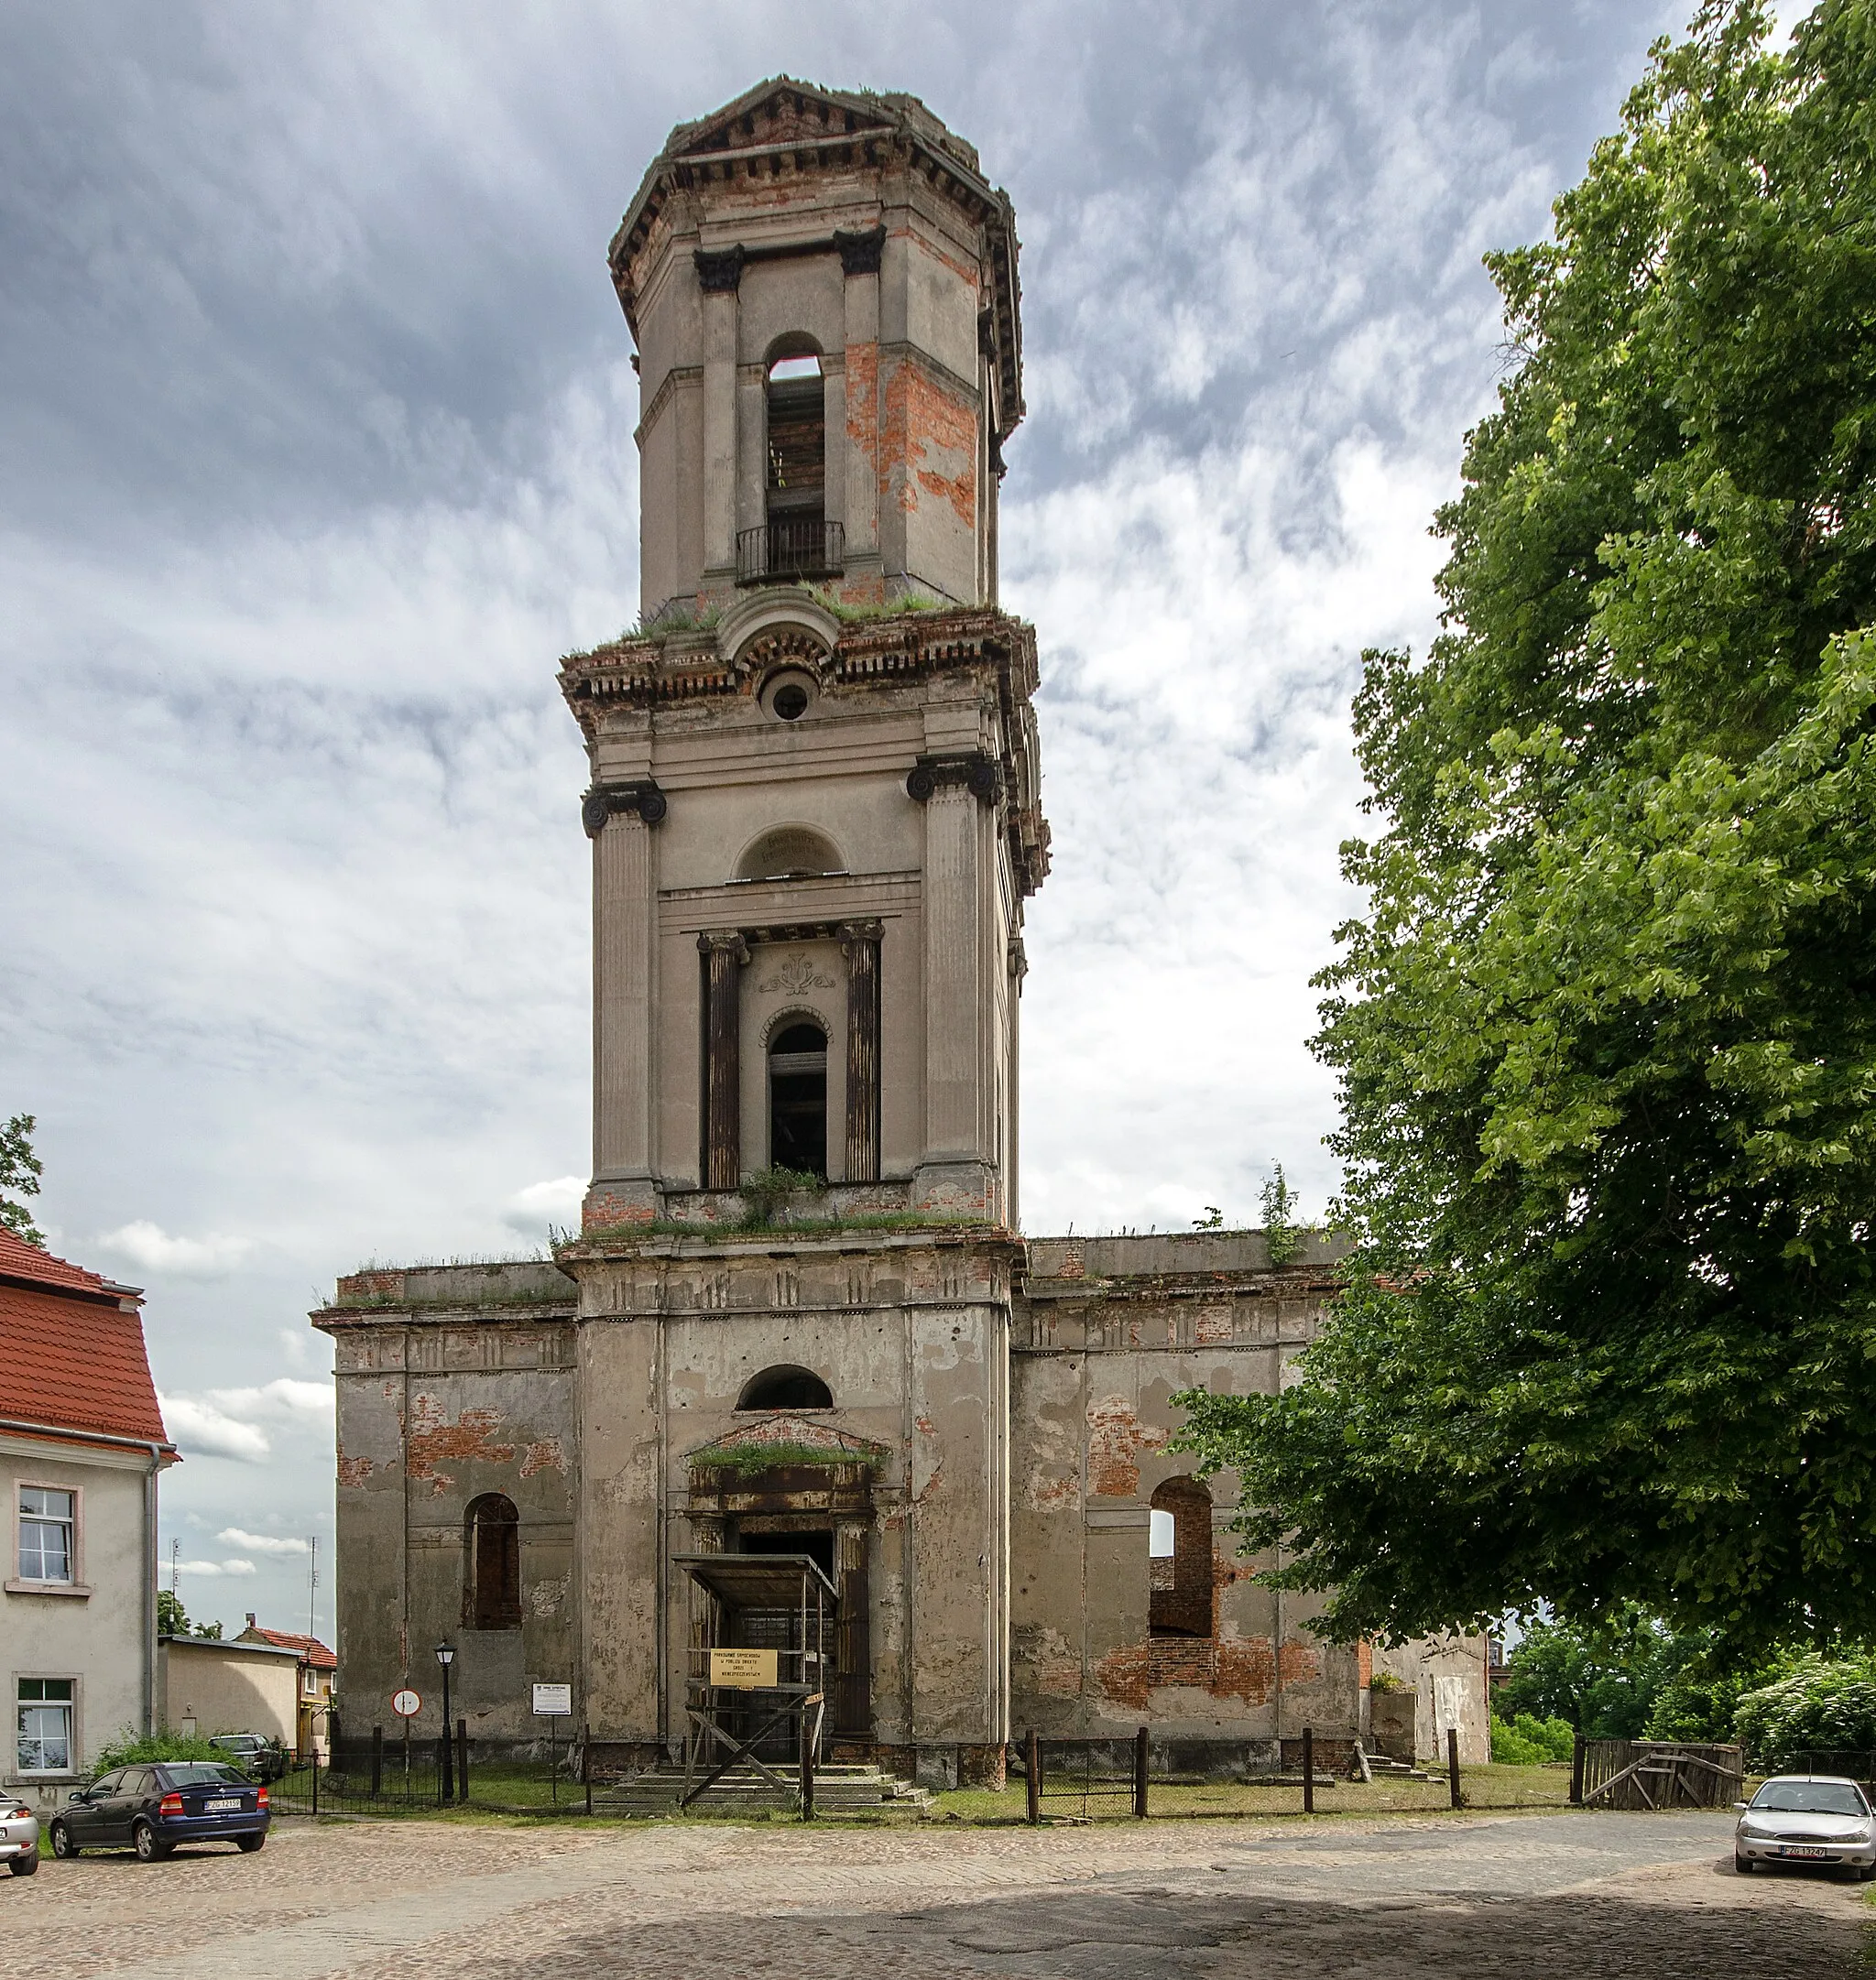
(1653, 1773)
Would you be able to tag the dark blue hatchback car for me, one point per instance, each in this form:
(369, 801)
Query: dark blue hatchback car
(151, 1809)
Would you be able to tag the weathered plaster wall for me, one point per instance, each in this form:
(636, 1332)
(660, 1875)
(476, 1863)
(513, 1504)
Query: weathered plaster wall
(452, 1385)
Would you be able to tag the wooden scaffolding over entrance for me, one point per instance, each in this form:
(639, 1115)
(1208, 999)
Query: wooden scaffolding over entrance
(756, 1688)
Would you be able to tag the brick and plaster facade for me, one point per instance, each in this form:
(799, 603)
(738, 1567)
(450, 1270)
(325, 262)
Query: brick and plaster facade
(815, 817)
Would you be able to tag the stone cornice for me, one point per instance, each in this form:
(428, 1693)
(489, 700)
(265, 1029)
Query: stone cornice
(652, 670)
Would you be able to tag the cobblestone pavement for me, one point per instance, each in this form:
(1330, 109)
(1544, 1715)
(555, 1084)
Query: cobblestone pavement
(1579, 1895)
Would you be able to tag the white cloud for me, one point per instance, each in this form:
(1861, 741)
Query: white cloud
(202, 1430)
(207, 1568)
(150, 1246)
(263, 1543)
(235, 1422)
(543, 1206)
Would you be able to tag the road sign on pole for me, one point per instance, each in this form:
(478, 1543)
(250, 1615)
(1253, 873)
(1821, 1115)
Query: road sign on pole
(406, 1703)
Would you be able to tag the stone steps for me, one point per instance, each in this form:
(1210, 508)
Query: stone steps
(838, 1790)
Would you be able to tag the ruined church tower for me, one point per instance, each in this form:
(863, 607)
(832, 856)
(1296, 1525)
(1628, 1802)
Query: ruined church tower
(798, 1319)
(814, 815)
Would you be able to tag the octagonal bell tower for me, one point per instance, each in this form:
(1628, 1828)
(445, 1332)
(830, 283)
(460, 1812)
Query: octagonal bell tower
(814, 802)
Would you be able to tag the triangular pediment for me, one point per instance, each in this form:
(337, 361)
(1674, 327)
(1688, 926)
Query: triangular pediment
(778, 112)
(784, 1439)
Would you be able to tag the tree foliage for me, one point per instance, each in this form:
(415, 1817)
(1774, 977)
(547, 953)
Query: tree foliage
(1819, 1706)
(19, 1177)
(1606, 1033)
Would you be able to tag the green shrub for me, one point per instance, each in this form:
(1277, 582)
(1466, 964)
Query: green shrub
(1820, 1707)
(1529, 1741)
(129, 1747)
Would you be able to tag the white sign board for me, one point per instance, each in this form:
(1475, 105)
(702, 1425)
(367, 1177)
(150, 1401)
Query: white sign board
(553, 1701)
(406, 1704)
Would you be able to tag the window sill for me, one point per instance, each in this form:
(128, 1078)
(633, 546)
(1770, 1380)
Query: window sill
(80, 1589)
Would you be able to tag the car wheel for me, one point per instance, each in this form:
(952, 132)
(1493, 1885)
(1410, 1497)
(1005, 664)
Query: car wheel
(64, 1847)
(25, 1866)
(1743, 1864)
(149, 1848)
(249, 1844)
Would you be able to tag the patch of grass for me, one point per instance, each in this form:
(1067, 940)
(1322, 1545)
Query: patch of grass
(1483, 1788)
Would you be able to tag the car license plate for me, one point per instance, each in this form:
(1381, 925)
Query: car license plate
(221, 1807)
(1804, 1850)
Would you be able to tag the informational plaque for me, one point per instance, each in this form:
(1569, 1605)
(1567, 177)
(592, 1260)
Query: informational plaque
(553, 1701)
(746, 1670)
(406, 1704)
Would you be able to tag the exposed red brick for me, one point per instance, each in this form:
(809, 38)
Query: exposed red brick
(1115, 1438)
(355, 1470)
(430, 1440)
(1299, 1663)
(1246, 1669)
(543, 1456)
(1364, 1663)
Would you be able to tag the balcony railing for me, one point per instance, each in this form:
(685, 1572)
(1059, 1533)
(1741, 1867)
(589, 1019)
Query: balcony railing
(789, 547)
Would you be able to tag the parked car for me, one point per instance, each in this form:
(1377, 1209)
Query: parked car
(1801, 1818)
(257, 1756)
(19, 1836)
(152, 1809)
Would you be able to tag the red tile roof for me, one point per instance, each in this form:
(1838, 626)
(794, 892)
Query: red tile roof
(311, 1650)
(70, 1356)
(19, 1260)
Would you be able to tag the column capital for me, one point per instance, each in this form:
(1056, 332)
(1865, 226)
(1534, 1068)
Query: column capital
(722, 941)
(853, 934)
(860, 252)
(719, 269)
(642, 800)
(970, 770)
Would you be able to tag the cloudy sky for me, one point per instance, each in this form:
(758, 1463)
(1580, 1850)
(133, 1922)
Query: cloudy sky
(315, 452)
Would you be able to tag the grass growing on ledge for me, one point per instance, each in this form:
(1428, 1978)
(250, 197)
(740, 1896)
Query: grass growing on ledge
(744, 1229)
(745, 1458)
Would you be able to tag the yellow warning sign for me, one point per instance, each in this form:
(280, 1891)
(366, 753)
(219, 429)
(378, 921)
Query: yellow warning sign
(747, 1670)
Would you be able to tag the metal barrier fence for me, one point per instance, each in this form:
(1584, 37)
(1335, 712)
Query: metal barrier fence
(360, 1776)
(1099, 1775)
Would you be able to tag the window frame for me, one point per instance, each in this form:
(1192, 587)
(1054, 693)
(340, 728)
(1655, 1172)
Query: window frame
(21, 1583)
(75, 1725)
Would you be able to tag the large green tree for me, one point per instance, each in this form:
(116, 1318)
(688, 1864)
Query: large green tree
(1606, 1033)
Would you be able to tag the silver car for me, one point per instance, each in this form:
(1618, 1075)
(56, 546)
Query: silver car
(19, 1836)
(1807, 1818)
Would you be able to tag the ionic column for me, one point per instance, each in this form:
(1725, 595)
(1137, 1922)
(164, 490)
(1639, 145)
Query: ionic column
(955, 994)
(719, 272)
(618, 818)
(859, 942)
(856, 458)
(724, 955)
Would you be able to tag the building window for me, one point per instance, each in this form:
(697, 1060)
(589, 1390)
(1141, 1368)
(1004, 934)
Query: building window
(43, 1742)
(785, 1388)
(790, 852)
(1179, 1560)
(48, 1534)
(798, 1099)
(492, 1597)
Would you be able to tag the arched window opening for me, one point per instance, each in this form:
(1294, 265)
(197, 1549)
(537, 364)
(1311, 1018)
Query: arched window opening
(1179, 1560)
(785, 1388)
(798, 1099)
(796, 538)
(790, 853)
(493, 1535)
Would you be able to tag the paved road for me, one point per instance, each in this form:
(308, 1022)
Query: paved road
(1573, 1896)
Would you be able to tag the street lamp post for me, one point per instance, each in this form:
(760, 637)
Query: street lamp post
(446, 1656)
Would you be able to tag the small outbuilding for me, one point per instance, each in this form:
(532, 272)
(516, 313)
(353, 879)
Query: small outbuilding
(206, 1686)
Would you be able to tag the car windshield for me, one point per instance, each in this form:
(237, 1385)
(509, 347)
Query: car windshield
(237, 1742)
(198, 1777)
(1811, 1797)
